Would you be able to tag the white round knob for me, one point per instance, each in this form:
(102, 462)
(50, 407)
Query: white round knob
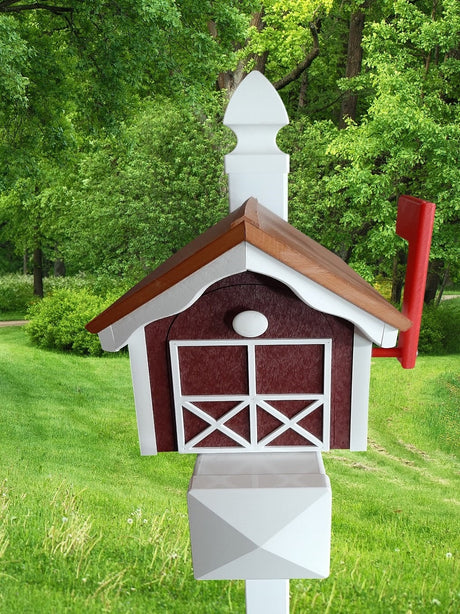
(250, 323)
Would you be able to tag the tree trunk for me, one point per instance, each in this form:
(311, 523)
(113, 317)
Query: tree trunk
(353, 68)
(303, 90)
(38, 272)
(445, 279)
(397, 278)
(432, 284)
(436, 279)
(59, 268)
(25, 267)
(230, 79)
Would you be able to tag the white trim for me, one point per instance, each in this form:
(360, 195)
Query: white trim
(327, 393)
(175, 299)
(142, 393)
(362, 352)
(319, 297)
(244, 257)
(251, 400)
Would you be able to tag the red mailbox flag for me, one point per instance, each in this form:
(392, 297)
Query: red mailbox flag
(415, 224)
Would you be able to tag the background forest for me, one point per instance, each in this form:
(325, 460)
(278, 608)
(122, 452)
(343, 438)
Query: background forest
(112, 144)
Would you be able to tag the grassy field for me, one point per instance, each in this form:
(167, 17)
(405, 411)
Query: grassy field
(87, 525)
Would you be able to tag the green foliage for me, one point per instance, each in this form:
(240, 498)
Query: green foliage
(440, 330)
(58, 321)
(111, 142)
(14, 60)
(431, 332)
(286, 37)
(142, 196)
(100, 285)
(68, 80)
(345, 183)
(16, 292)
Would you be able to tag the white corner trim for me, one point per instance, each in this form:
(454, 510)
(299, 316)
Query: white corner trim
(142, 393)
(362, 352)
(389, 337)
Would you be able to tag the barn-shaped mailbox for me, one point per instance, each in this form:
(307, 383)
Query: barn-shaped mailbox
(254, 338)
(296, 377)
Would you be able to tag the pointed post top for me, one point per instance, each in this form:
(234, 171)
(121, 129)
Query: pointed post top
(257, 167)
(256, 101)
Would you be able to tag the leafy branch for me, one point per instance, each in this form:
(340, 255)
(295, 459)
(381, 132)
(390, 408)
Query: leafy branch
(13, 6)
(304, 64)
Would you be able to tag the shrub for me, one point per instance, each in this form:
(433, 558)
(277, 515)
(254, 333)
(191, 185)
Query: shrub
(16, 292)
(100, 285)
(440, 330)
(58, 321)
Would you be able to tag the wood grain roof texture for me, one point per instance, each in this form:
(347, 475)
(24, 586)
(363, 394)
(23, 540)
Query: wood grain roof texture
(256, 225)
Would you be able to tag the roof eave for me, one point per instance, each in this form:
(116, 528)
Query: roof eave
(257, 226)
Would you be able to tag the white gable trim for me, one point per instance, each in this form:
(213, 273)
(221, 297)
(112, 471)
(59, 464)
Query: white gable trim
(174, 300)
(320, 298)
(244, 257)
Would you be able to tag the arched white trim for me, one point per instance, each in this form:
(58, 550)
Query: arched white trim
(244, 257)
(174, 300)
(320, 298)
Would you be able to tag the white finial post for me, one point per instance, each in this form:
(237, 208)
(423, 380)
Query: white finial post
(257, 167)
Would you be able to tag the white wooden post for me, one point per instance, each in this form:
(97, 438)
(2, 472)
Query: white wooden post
(256, 167)
(259, 517)
(267, 596)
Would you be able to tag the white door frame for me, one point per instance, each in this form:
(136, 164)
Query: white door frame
(251, 400)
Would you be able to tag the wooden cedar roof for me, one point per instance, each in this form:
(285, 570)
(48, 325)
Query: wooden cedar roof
(256, 225)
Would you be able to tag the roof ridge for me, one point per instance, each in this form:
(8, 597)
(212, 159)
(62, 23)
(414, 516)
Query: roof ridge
(249, 213)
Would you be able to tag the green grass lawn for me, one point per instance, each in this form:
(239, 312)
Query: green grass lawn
(88, 525)
(6, 316)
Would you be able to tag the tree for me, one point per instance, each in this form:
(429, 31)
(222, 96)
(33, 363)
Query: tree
(35, 133)
(353, 67)
(407, 141)
(137, 199)
(72, 73)
(95, 95)
(282, 42)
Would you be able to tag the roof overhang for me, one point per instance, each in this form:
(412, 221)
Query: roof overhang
(251, 239)
(244, 257)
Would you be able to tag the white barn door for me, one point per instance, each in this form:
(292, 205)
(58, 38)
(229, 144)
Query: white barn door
(233, 395)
